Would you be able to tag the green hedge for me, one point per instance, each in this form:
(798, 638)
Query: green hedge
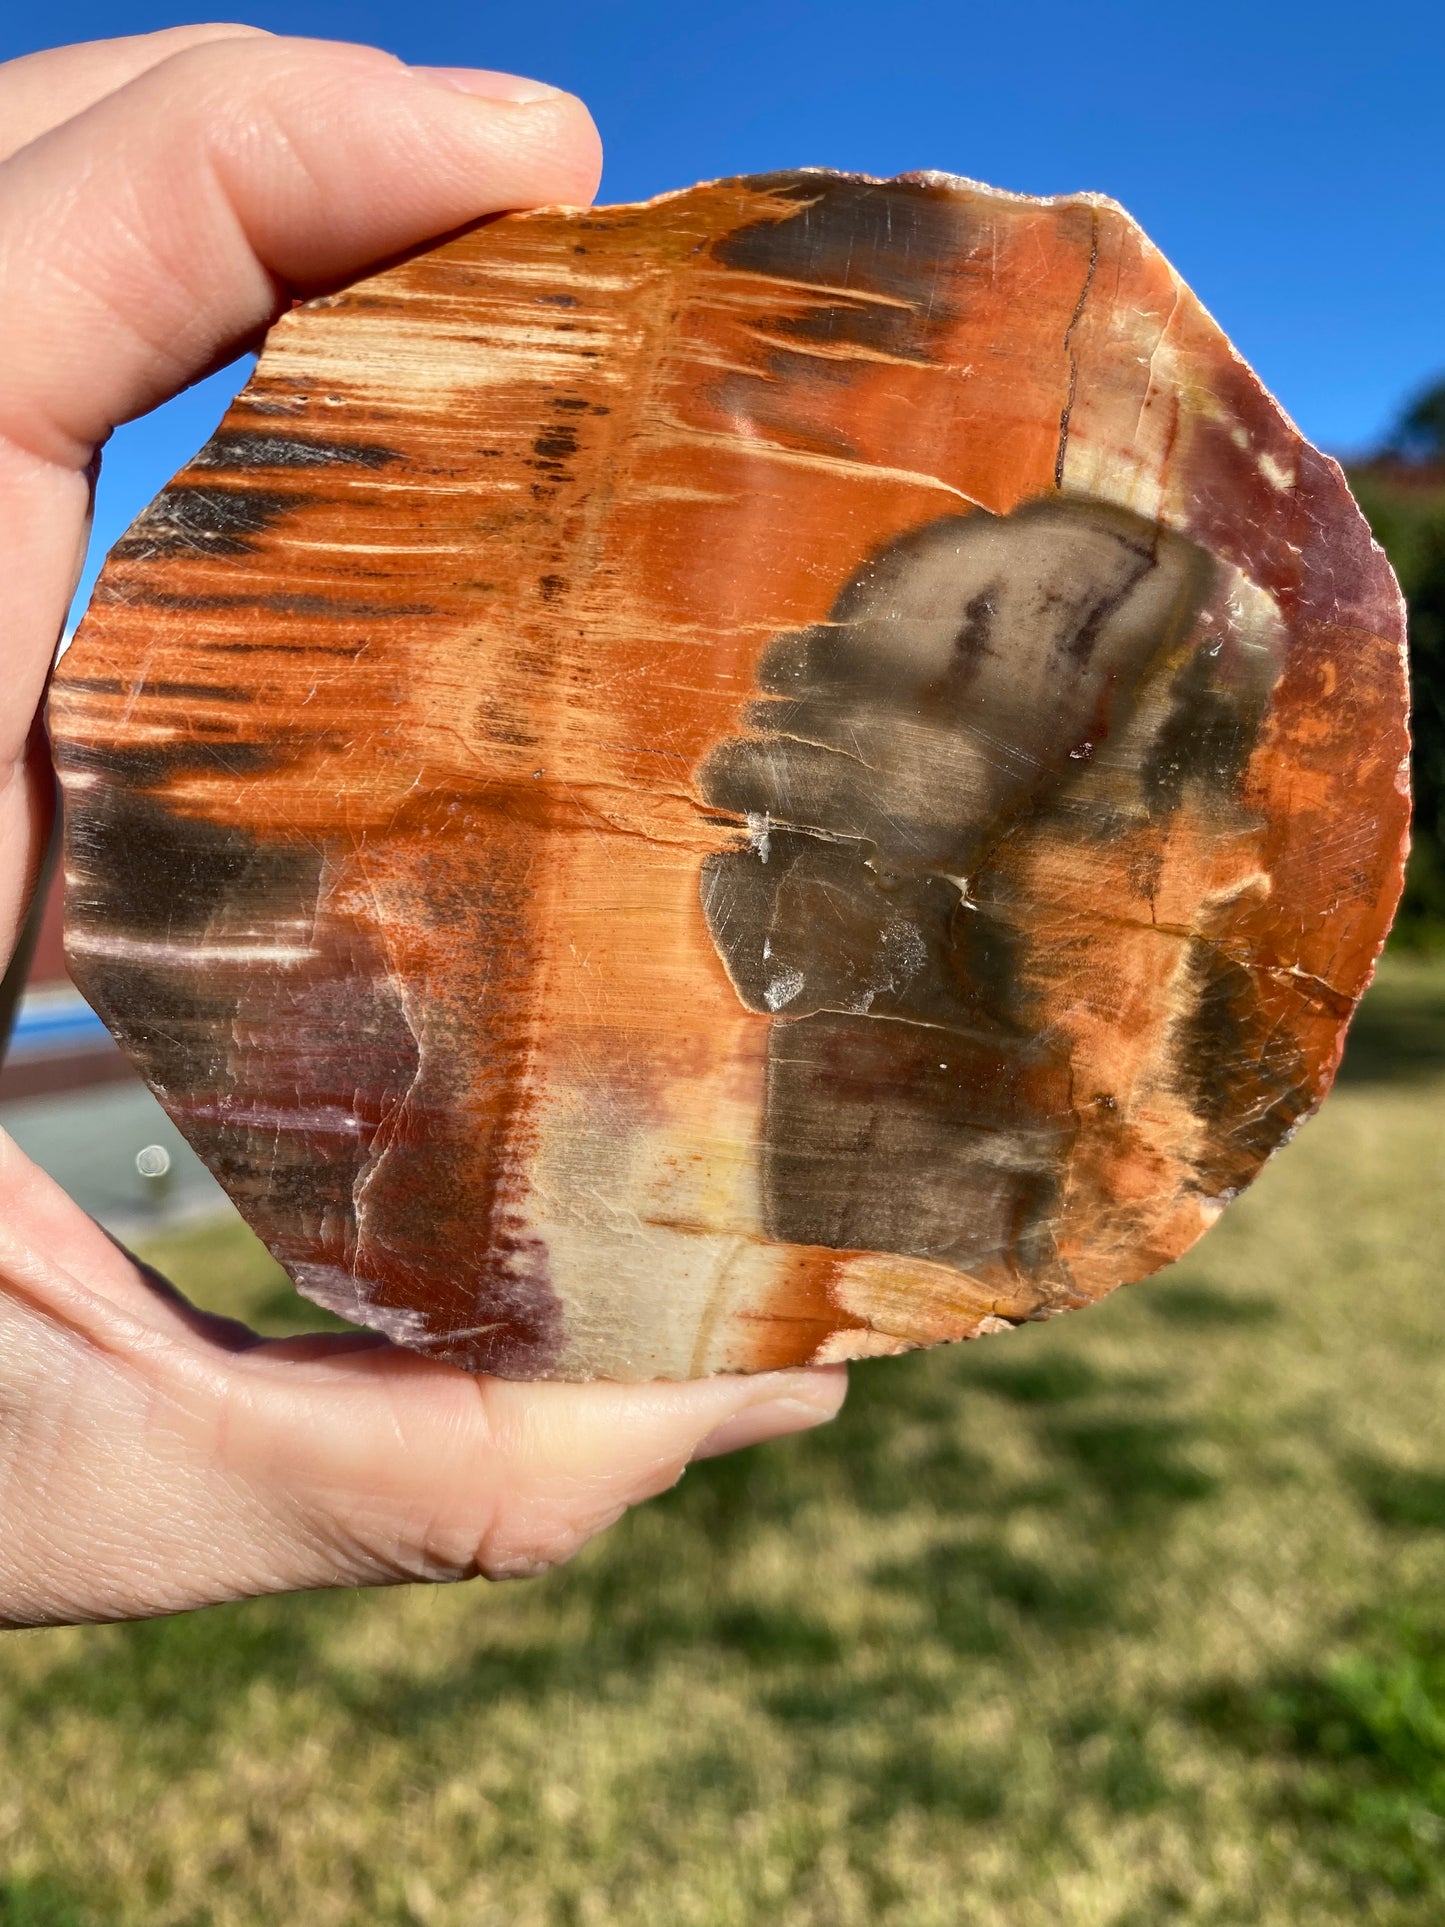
(1402, 491)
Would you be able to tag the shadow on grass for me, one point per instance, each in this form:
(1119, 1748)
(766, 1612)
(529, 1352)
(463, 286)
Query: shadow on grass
(976, 1593)
(963, 1783)
(41, 1903)
(1203, 1307)
(1049, 1378)
(1403, 1496)
(1399, 1030)
(174, 1683)
(1358, 1744)
(1115, 1760)
(1137, 1466)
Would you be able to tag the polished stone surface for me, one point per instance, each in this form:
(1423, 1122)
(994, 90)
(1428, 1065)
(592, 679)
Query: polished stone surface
(804, 769)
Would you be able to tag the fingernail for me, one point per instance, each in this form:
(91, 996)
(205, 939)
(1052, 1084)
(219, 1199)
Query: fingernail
(487, 85)
(771, 1418)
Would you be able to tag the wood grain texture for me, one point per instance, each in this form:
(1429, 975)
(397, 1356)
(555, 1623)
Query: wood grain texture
(804, 769)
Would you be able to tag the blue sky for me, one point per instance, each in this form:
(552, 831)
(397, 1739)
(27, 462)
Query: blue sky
(1288, 157)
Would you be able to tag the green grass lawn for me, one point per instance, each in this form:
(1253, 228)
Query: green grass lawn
(1133, 1618)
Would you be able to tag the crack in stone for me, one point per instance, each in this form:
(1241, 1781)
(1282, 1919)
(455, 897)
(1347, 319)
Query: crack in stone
(389, 1126)
(1074, 320)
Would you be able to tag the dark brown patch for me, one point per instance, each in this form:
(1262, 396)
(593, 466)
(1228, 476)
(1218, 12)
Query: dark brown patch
(1205, 741)
(556, 442)
(882, 239)
(200, 691)
(1243, 1071)
(895, 1137)
(187, 517)
(324, 608)
(916, 1101)
(246, 448)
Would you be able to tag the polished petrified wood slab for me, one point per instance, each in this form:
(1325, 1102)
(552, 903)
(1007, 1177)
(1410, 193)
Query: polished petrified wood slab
(800, 770)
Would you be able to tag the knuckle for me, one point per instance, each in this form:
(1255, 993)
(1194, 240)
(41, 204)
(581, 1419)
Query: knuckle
(521, 1544)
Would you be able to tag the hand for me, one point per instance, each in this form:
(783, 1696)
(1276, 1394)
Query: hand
(161, 200)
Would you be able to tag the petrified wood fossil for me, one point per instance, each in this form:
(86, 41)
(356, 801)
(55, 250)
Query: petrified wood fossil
(795, 771)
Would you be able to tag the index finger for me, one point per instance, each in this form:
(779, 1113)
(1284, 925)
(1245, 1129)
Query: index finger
(146, 237)
(40, 90)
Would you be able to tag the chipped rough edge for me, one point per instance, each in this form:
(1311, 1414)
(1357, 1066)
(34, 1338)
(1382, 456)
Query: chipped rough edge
(921, 177)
